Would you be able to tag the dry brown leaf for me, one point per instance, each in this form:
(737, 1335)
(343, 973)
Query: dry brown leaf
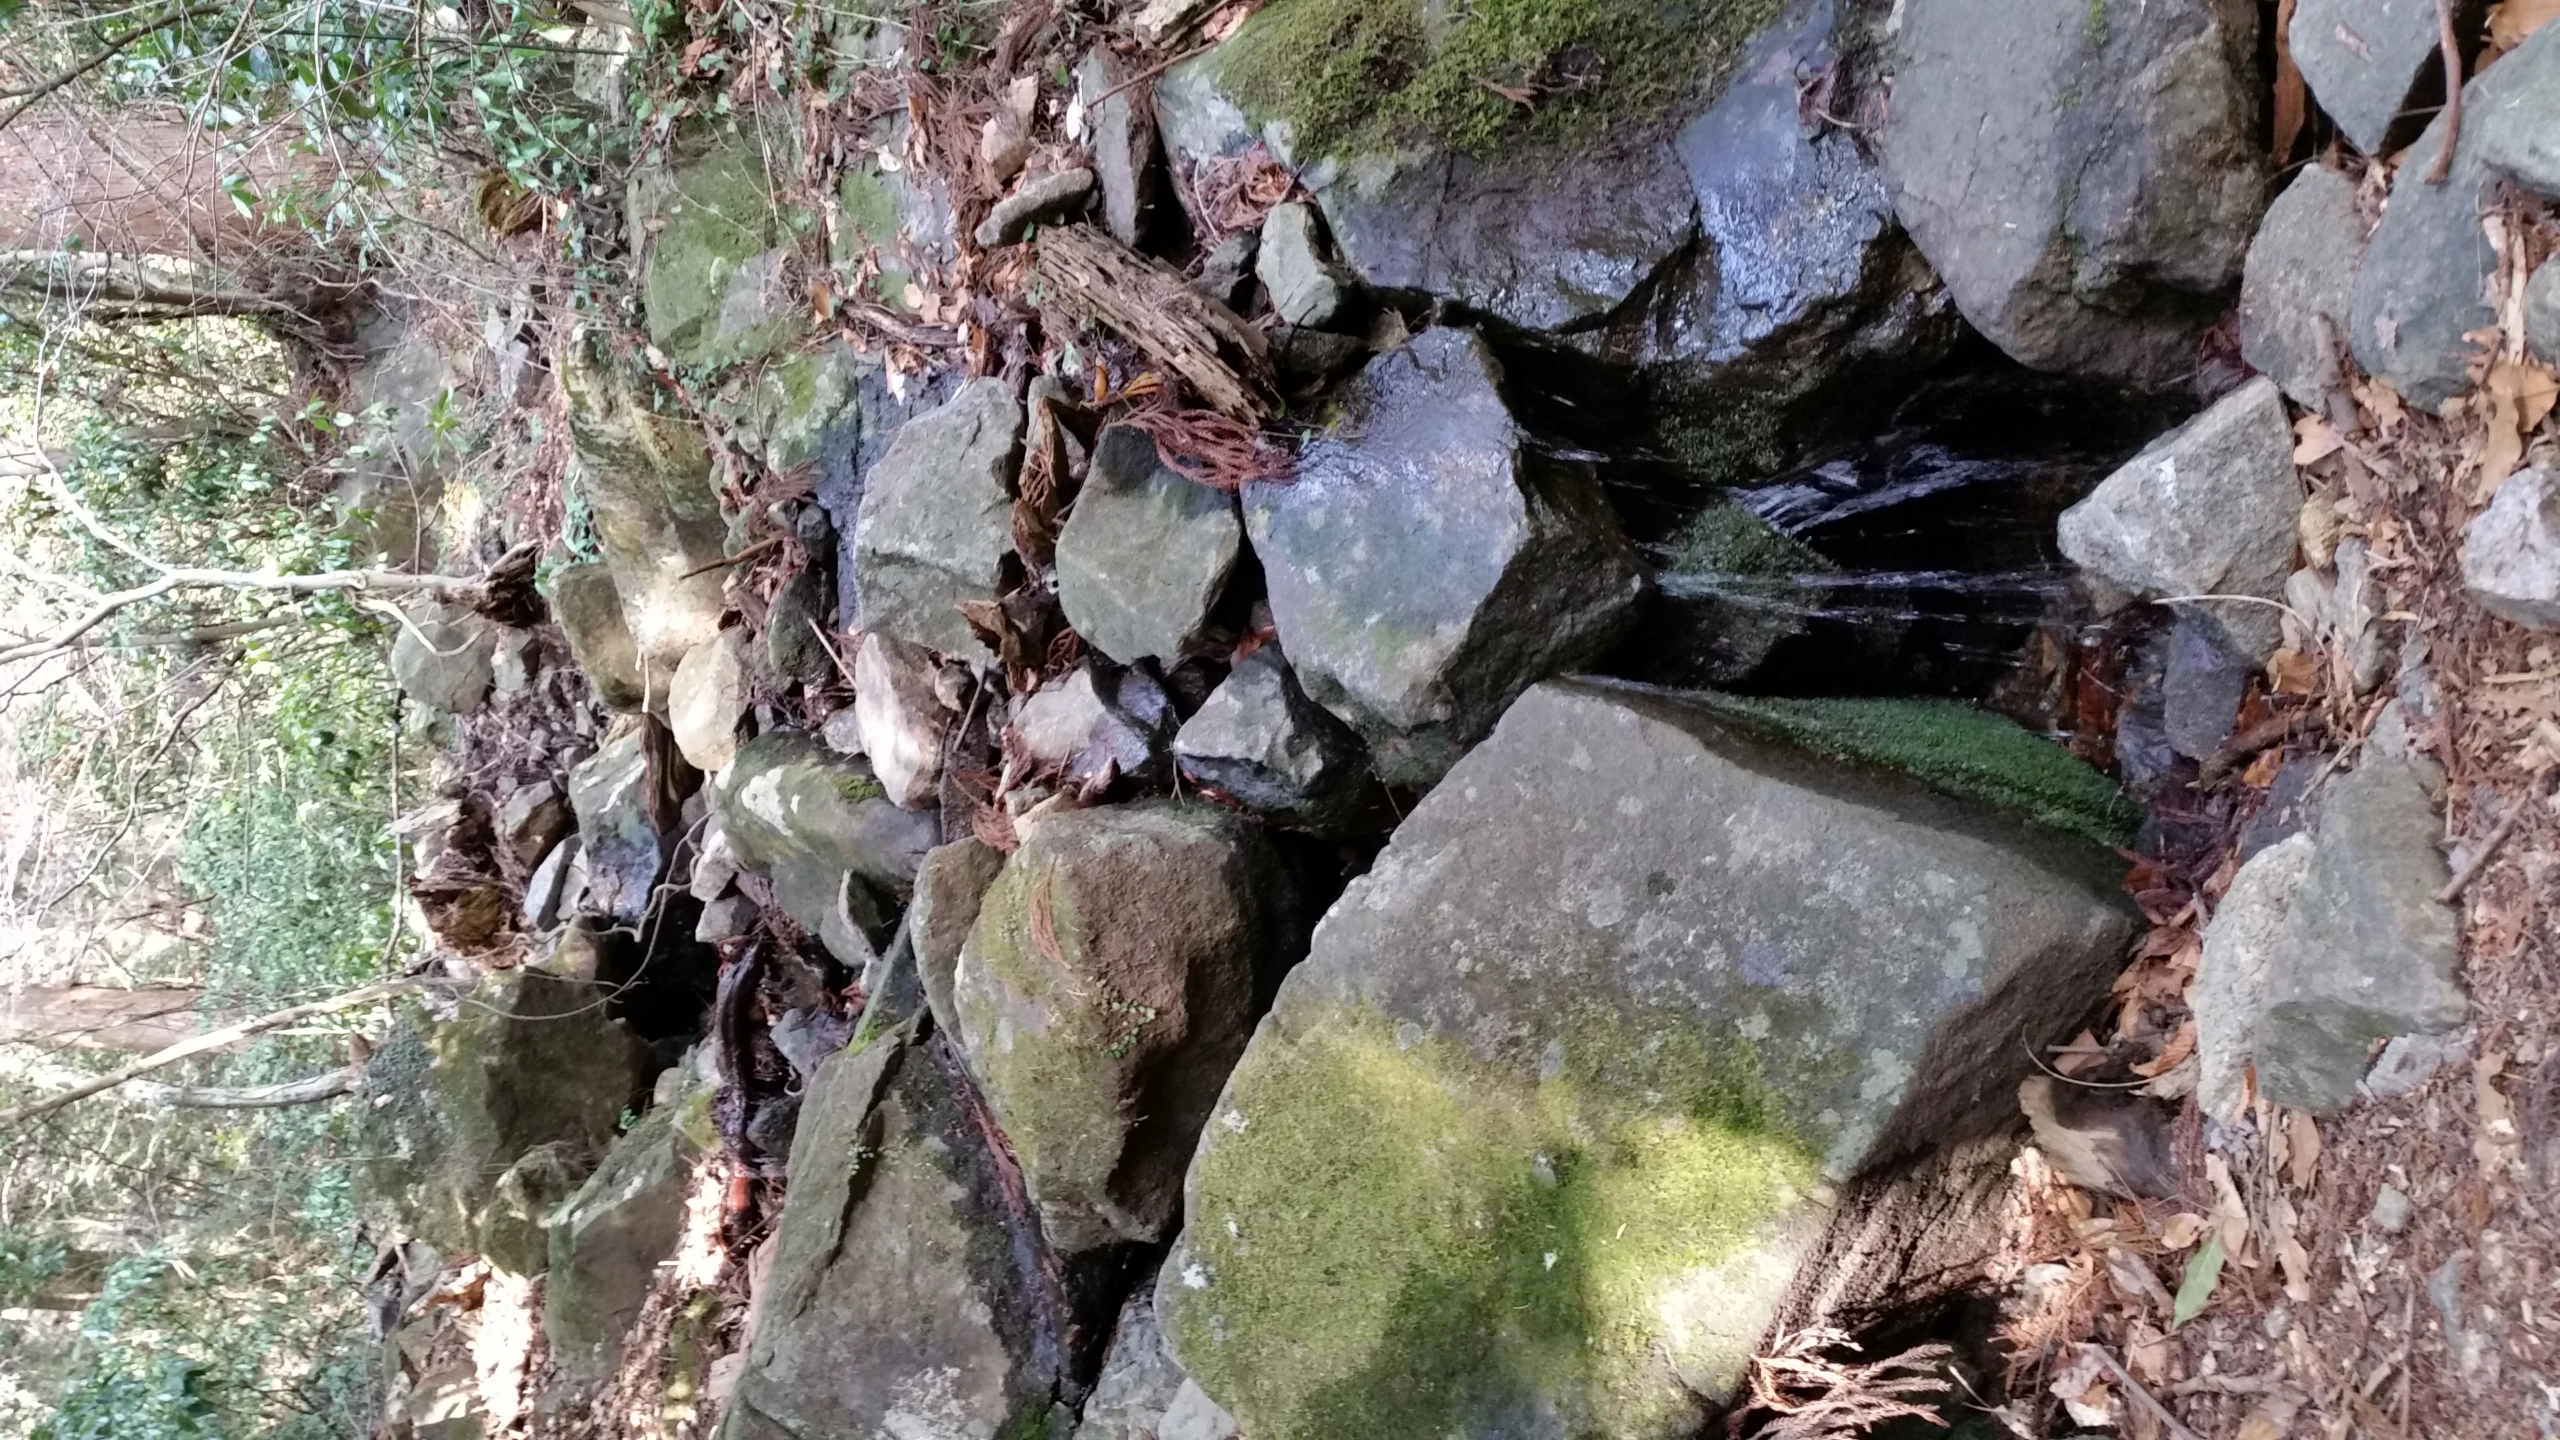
(2494, 1141)
(2315, 440)
(2290, 672)
(2302, 1148)
(2293, 97)
(2259, 1426)
(2180, 1046)
(2262, 771)
(2182, 1230)
(2230, 1214)
(2510, 21)
(2080, 1056)
(2146, 1353)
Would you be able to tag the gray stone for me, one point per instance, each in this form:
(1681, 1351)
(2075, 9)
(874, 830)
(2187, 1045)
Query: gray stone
(2542, 312)
(905, 1296)
(1259, 740)
(1626, 966)
(727, 918)
(1307, 287)
(806, 1036)
(2407, 1061)
(547, 888)
(949, 887)
(1145, 554)
(1194, 1416)
(820, 827)
(1306, 354)
(901, 718)
(646, 476)
(442, 658)
(715, 278)
(803, 615)
(707, 698)
(2516, 128)
(1120, 129)
(2368, 952)
(2361, 58)
(2229, 994)
(625, 852)
(937, 519)
(2391, 1209)
(514, 1227)
(843, 731)
(2290, 806)
(2208, 509)
(531, 820)
(1105, 990)
(589, 609)
(1226, 269)
(2511, 553)
(1507, 566)
(1084, 723)
(512, 661)
(2201, 692)
(1139, 1380)
(2297, 292)
(607, 1242)
(2088, 185)
(715, 867)
(1035, 202)
(2355, 614)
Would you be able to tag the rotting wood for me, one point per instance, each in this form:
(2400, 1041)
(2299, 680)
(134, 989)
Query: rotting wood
(1096, 279)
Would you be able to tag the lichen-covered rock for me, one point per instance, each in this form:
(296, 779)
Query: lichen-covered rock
(2206, 510)
(822, 829)
(1531, 1143)
(442, 658)
(1429, 562)
(2511, 553)
(2297, 293)
(1145, 554)
(2361, 59)
(1035, 202)
(1106, 988)
(625, 852)
(2088, 185)
(514, 1227)
(1307, 286)
(589, 610)
(608, 1240)
(646, 476)
(715, 282)
(949, 888)
(707, 697)
(1259, 740)
(936, 519)
(907, 1297)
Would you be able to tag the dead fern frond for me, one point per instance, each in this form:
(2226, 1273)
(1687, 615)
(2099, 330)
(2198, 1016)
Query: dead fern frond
(1817, 1396)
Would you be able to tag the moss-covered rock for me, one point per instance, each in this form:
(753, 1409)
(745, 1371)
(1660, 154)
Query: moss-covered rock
(1108, 985)
(1532, 1142)
(718, 281)
(608, 1240)
(819, 826)
(589, 609)
(646, 476)
(1731, 589)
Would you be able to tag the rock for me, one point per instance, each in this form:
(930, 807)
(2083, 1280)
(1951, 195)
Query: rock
(1505, 564)
(2391, 1207)
(803, 613)
(936, 522)
(806, 1036)
(727, 918)
(625, 852)
(2542, 312)
(2511, 553)
(1732, 589)
(2407, 1060)
(820, 826)
(1260, 740)
(1035, 202)
(514, 1227)
(2230, 990)
(901, 718)
(949, 887)
(1314, 356)
(530, 1060)
(2367, 952)
(1087, 722)
(843, 731)
(532, 820)
(512, 662)
(442, 658)
(1194, 1416)
(2203, 687)
(1145, 554)
(707, 698)
(547, 888)
(1121, 132)
(2361, 58)
(2207, 509)
(607, 1242)
(1226, 269)
(2088, 186)
(715, 867)
(589, 609)
(2297, 291)
(906, 1297)
(647, 480)
(2517, 134)
(715, 279)
(1628, 965)
(1106, 988)
(1307, 287)
(1139, 1380)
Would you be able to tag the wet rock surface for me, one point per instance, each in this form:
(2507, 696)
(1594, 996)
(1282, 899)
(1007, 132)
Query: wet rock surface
(1259, 739)
(1146, 554)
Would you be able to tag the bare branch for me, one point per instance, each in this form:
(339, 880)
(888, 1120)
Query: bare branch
(29, 97)
(304, 1091)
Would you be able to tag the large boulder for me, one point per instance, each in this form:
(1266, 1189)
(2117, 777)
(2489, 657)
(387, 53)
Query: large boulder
(1145, 554)
(2297, 293)
(716, 282)
(646, 477)
(937, 519)
(1106, 989)
(818, 824)
(2208, 509)
(2088, 185)
(908, 1295)
(1428, 562)
(1531, 1143)
(608, 1240)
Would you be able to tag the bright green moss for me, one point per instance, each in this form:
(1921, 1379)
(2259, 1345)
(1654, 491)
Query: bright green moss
(1349, 75)
(1405, 1241)
(1726, 540)
(1954, 748)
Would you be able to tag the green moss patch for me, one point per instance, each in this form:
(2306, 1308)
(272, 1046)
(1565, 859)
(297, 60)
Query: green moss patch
(1350, 75)
(1954, 748)
(1726, 540)
(1405, 1241)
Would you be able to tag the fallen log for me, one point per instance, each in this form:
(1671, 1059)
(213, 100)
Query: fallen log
(1091, 277)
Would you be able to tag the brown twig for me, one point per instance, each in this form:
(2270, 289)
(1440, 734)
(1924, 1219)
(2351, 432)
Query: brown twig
(2243, 747)
(2132, 1387)
(725, 561)
(2451, 45)
(1143, 76)
(2480, 858)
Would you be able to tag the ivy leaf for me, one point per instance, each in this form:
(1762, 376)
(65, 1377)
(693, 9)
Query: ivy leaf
(2204, 1271)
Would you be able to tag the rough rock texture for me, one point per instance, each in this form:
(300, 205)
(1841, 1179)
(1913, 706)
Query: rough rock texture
(514, 1227)
(1145, 554)
(1306, 285)
(2542, 312)
(608, 1240)
(936, 519)
(907, 1298)
(1051, 197)
(647, 478)
(2516, 127)
(1260, 740)
(1138, 1378)
(1106, 989)
(531, 1061)
(2087, 185)
(546, 890)
(949, 887)
(1530, 1144)
(2511, 553)
(819, 826)
(1121, 132)
(2361, 59)
(441, 658)
(1428, 562)
(1732, 588)
(706, 699)
(901, 717)
(715, 282)
(532, 820)
(2229, 995)
(625, 851)
(2368, 953)
(2297, 293)
(589, 611)
(2200, 693)
(2207, 509)
(1089, 721)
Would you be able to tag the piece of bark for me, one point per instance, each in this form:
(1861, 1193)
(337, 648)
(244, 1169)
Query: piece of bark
(1095, 278)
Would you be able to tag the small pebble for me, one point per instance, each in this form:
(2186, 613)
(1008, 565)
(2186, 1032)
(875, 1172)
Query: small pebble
(2390, 1210)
